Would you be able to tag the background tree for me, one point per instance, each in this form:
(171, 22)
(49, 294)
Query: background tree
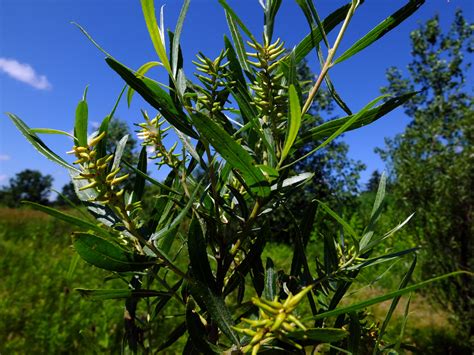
(433, 159)
(29, 185)
(69, 193)
(373, 182)
(117, 130)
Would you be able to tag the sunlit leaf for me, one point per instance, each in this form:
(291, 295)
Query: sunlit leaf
(68, 218)
(233, 153)
(294, 123)
(386, 297)
(156, 35)
(382, 29)
(38, 144)
(328, 128)
(177, 36)
(141, 71)
(106, 255)
(198, 255)
(81, 124)
(152, 92)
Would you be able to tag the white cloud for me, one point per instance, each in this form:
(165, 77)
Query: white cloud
(4, 157)
(25, 73)
(3, 178)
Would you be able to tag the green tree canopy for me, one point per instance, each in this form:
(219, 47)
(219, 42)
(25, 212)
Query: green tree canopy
(29, 185)
(433, 159)
(373, 182)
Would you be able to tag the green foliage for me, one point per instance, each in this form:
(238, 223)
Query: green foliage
(27, 185)
(67, 195)
(373, 182)
(42, 312)
(432, 159)
(199, 250)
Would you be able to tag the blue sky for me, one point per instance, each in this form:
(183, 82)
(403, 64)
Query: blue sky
(45, 63)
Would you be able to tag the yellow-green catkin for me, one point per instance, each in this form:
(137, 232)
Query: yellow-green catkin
(270, 90)
(275, 322)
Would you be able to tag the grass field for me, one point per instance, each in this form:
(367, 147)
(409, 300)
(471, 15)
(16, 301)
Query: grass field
(41, 313)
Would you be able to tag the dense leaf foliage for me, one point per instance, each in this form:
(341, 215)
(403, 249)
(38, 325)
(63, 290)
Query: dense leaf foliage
(238, 128)
(432, 160)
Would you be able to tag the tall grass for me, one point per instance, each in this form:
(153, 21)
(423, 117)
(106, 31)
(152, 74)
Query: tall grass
(39, 311)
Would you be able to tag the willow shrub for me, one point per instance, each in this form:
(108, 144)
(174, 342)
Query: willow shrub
(237, 128)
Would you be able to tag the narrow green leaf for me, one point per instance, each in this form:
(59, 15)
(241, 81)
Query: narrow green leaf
(235, 65)
(306, 11)
(337, 98)
(271, 10)
(294, 123)
(68, 218)
(394, 303)
(318, 335)
(177, 36)
(148, 8)
(218, 311)
(381, 29)
(72, 267)
(244, 267)
(140, 72)
(108, 294)
(197, 331)
(50, 131)
(190, 148)
(404, 324)
(386, 297)
(165, 299)
(376, 211)
(380, 195)
(239, 45)
(89, 37)
(270, 290)
(354, 333)
(341, 221)
(375, 242)
(316, 17)
(344, 127)
(176, 222)
(198, 255)
(233, 153)
(81, 124)
(139, 186)
(328, 128)
(106, 255)
(240, 201)
(382, 259)
(312, 17)
(119, 149)
(315, 36)
(293, 181)
(151, 91)
(237, 20)
(151, 180)
(172, 337)
(37, 143)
